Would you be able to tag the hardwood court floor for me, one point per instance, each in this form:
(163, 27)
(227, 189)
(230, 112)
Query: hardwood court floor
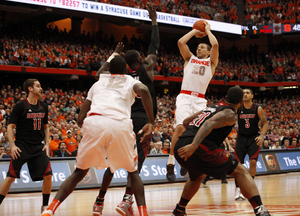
(280, 194)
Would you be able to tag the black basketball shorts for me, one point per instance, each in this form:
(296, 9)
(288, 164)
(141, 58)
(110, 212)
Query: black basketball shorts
(246, 145)
(213, 160)
(37, 161)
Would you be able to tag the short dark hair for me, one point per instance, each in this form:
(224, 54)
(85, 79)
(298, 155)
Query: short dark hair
(249, 90)
(234, 95)
(117, 65)
(61, 143)
(28, 83)
(131, 57)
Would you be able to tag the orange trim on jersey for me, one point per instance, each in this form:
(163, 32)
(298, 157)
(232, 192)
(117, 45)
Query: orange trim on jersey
(196, 94)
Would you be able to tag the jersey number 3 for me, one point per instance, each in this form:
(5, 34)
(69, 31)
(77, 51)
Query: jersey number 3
(197, 69)
(247, 123)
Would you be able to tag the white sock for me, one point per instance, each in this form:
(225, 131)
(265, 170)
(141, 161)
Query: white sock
(171, 159)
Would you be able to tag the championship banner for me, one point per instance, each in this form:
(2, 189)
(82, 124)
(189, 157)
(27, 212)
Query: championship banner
(131, 13)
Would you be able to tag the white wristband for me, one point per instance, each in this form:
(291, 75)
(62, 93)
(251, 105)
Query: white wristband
(111, 57)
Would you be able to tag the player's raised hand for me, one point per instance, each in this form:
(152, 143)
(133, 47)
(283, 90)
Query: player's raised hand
(207, 27)
(15, 152)
(119, 48)
(186, 151)
(151, 10)
(147, 129)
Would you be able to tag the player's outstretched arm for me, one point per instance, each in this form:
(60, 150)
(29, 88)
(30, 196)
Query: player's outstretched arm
(104, 67)
(214, 52)
(221, 119)
(84, 110)
(146, 98)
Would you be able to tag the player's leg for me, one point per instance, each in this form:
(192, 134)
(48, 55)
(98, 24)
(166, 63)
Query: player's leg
(171, 161)
(249, 189)
(183, 110)
(40, 169)
(240, 153)
(138, 191)
(5, 186)
(142, 150)
(253, 152)
(46, 190)
(14, 169)
(189, 190)
(99, 203)
(252, 169)
(65, 190)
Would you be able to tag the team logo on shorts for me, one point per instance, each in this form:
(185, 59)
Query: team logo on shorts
(87, 177)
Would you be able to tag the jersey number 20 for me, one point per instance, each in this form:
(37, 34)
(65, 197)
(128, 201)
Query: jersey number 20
(197, 69)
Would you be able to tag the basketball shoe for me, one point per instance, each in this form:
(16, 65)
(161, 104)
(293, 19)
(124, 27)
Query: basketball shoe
(170, 173)
(47, 213)
(239, 195)
(97, 209)
(125, 207)
(177, 213)
(43, 208)
(261, 211)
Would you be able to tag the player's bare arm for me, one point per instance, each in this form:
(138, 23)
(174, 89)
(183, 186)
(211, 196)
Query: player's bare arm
(84, 110)
(104, 68)
(183, 47)
(15, 151)
(151, 59)
(224, 118)
(262, 116)
(214, 52)
(46, 140)
(143, 91)
(187, 121)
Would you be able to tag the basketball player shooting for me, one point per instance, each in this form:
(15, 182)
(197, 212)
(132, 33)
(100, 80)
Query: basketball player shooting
(198, 72)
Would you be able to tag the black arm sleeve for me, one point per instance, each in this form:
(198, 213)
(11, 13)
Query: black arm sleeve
(155, 41)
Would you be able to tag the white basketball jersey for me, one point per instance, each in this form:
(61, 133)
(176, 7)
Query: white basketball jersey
(197, 75)
(112, 96)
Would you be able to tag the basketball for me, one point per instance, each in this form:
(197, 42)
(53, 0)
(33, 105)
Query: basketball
(199, 25)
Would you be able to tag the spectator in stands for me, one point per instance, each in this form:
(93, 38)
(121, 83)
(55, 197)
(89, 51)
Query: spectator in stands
(156, 136)
(286, 144)
(62, 152)
(265, 145)
(294, 143)
(8, 151)
(157, 148)
(287, 135)
(54, 144)
(3, 153)
(276, 145)
(166, 146)
(4, 142)
(71, 142)
(165, 135)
